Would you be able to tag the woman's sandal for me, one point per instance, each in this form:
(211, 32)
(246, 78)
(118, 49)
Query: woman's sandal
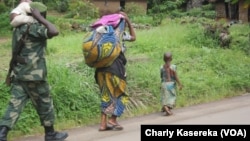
(115, 127)
(106, 129)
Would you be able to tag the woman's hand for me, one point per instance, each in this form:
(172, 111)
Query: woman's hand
(131, 29)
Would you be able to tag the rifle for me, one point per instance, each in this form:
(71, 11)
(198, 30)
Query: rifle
(16, 58)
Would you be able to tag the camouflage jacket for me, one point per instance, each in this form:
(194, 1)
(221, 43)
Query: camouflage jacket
(33, 51)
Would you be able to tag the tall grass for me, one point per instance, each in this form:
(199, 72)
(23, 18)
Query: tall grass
(207, 72)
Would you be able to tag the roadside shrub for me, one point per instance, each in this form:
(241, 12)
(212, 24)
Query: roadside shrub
(241, 37)
(62, 6)
(205, 11)
(208, 7)
(142, 20)
(82, 10)
(3, 8)
(134, 10)
(5, 24)
(177, 14)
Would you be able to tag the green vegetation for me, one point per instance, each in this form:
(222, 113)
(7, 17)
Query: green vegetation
(207, 70)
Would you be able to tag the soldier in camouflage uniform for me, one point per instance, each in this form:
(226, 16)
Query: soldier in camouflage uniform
(30, 78)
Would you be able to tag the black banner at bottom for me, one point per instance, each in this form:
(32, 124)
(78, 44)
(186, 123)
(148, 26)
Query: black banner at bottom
(195, 132)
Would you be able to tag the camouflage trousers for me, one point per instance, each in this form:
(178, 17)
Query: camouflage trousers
(38, 93)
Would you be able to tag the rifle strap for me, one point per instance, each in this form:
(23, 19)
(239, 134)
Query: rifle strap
(24, 37)
(18, 48)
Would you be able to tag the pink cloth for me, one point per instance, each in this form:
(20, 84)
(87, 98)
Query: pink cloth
(112, 19)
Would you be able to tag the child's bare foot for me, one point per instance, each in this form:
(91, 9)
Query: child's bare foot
(168, 111)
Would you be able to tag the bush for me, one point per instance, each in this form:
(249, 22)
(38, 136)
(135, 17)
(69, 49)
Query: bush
(3, 8)
(134, 10)
(82, 10)
(241, 37)
(62, 6)
(205, 11)
(5, 24)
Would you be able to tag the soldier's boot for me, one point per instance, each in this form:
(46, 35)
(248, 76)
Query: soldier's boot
(3, 133)
(55, 136)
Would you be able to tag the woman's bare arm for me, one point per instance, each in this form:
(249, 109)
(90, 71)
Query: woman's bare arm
(131, 28)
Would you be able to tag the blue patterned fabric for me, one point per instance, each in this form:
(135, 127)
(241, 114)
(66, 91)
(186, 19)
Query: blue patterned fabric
(103, 45)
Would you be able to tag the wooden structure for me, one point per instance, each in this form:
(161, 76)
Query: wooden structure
(111, 6)
(236, 12)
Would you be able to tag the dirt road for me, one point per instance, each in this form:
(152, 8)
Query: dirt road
(228, 111)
